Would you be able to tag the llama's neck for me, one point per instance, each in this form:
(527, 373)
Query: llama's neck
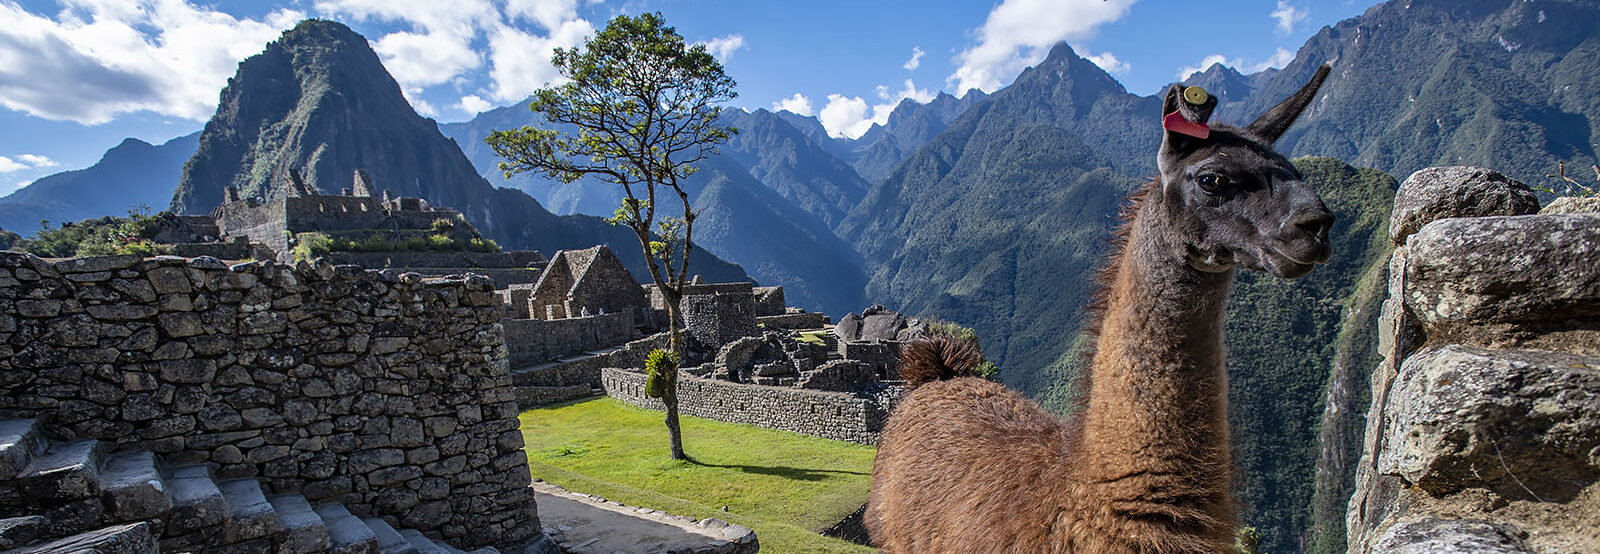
(1155, 424)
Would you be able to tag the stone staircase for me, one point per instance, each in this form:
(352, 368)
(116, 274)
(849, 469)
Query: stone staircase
(79, 496)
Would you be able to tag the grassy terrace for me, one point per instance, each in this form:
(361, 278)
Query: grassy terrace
(783, 485)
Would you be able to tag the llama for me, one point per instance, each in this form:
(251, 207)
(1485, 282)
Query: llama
(966, 465)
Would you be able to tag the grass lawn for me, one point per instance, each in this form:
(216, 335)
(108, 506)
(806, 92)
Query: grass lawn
(783, 485)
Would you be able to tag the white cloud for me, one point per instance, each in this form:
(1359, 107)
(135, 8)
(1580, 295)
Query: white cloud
(7, 165)
(471, 103)
(1019, 33)
(916, 58)
(520, 62)
(425, 59)
(1109, 62)
(445, 41)
(25, 161)
(798, 104)
(97, 59)
(550, 14)
(1288, 16)
(1278, 59)
(37, 161)
(846, 116)
(724, 47)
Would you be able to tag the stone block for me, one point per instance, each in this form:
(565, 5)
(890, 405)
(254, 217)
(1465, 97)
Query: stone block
(1522, 423)
(1478, 271)
(1457, 191)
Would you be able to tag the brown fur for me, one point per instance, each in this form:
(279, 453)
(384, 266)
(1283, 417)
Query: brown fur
(938, 358)
(966, 465)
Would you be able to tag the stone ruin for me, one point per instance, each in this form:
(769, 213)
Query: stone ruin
(256, 407)
(1483, 434)
(264, 229)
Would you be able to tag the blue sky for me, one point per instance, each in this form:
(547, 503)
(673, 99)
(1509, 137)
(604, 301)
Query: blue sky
(78, 76)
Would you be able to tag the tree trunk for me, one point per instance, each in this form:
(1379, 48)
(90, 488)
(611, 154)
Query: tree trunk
(674, 434)
(670, 396)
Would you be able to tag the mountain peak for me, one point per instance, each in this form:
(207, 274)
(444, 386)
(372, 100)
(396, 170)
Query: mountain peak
(1061, 51)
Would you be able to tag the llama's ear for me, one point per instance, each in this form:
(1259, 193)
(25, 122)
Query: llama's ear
(1272, 124)
(1184, 113)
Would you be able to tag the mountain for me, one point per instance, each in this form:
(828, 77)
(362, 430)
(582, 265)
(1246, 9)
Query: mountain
(318, 101)
(132, 173)
(743, 220)
(783, 159)
(997, 222)
(910, 126)
(1508, 84)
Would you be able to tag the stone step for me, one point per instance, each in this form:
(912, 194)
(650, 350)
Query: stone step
(346, 533)
(389, 540)
(424, 545)
(303, 531)
(250, 516)
(128, 538)
(18, 531)
(132, 489)
(20, 442)
(197, 508)
(65, 472)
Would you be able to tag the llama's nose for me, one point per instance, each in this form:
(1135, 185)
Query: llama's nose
(1315, 222)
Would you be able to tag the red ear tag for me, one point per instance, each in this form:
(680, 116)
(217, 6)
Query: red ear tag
(1176, 123)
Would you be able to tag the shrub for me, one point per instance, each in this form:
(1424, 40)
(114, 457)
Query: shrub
(661, 367)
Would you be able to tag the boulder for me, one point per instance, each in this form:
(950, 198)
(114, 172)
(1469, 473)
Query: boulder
(849, 328)
(1432, 535)
(1573, 205)
(1522, 423)
(1527, 269)
(1456, 191)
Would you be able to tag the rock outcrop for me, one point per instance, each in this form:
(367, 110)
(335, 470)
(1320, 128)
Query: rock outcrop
(1484, 429)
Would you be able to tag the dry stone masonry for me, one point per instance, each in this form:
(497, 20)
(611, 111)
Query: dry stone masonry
(1484, 430)
(380, 391)
(830, 415)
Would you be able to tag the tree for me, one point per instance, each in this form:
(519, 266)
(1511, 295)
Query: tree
(644, 106)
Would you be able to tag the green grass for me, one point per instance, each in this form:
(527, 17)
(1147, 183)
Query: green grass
(783, 485)
(813, 337)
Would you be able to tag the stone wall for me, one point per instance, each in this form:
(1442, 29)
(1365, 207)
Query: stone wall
(793, 321)
(378, 260)
(769, 301)
(830, 415)
(535, 341)
(720, 318)
(374, 389)
(1484, 429)
(263, 223)
(239, 249)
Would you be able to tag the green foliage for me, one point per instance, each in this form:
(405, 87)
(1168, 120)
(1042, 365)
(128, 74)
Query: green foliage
(99, 237)
(647, 104)
(662, 369)
(8, 239)
(1567, 186)
(1247, 541)
(313, 244)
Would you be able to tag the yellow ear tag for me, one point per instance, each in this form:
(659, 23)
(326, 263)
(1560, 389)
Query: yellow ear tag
(1195, 95)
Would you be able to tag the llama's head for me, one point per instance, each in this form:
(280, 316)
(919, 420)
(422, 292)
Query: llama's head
(1232, 199)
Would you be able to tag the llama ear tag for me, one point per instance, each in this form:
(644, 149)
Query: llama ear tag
(1177, 123)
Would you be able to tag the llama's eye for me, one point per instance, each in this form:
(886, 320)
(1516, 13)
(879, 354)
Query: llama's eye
(1213, 183)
